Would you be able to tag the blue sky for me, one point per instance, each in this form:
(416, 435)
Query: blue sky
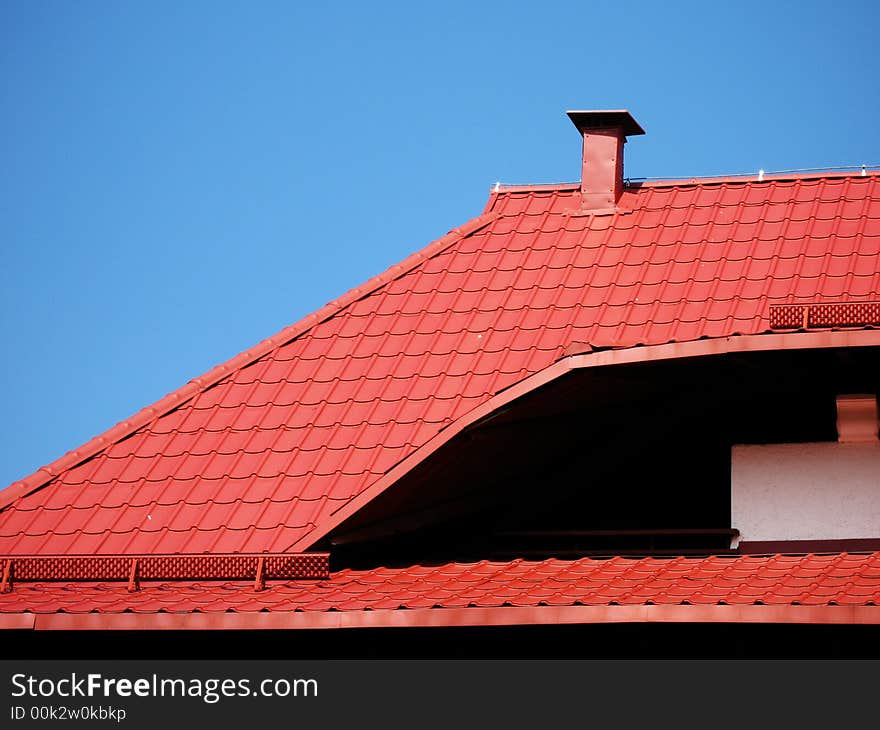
(181, 180)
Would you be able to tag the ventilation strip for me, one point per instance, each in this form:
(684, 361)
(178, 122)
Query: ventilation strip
(133, 569)
(821, 316)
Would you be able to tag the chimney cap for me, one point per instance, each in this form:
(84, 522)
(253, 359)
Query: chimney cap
(605, 118)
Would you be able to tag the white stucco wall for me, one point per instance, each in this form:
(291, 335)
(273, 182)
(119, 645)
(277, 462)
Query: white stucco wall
(821, 491)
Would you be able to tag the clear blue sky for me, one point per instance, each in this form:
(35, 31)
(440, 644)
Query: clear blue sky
(179, 180)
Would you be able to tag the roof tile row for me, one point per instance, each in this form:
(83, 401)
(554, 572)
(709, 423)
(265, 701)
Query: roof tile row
(816, 580)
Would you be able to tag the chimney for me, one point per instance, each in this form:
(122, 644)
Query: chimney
(604, 133)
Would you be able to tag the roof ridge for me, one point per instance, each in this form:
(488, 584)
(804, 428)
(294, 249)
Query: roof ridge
(732, 178)
(753, 178)
(176, 398)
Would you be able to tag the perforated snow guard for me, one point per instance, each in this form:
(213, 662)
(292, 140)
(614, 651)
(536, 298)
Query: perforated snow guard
(820, 316)
(234, 566)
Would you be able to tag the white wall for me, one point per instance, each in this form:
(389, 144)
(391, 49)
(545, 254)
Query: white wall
(821, 491)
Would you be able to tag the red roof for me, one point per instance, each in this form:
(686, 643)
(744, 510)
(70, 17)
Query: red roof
(829, 581)
(262, 453)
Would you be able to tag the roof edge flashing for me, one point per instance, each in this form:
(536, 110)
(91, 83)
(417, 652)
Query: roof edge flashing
(437, 617)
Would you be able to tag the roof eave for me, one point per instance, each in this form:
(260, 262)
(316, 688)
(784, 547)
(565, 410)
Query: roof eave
(446, 617)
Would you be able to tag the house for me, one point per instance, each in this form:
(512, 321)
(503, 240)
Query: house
(610, 416)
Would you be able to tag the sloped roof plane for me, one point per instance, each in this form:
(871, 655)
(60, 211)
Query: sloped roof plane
(261, 452)
(270, 451)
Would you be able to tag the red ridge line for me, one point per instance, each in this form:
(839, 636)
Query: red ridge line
(176, 398)
(635, 183)
(751, 179)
